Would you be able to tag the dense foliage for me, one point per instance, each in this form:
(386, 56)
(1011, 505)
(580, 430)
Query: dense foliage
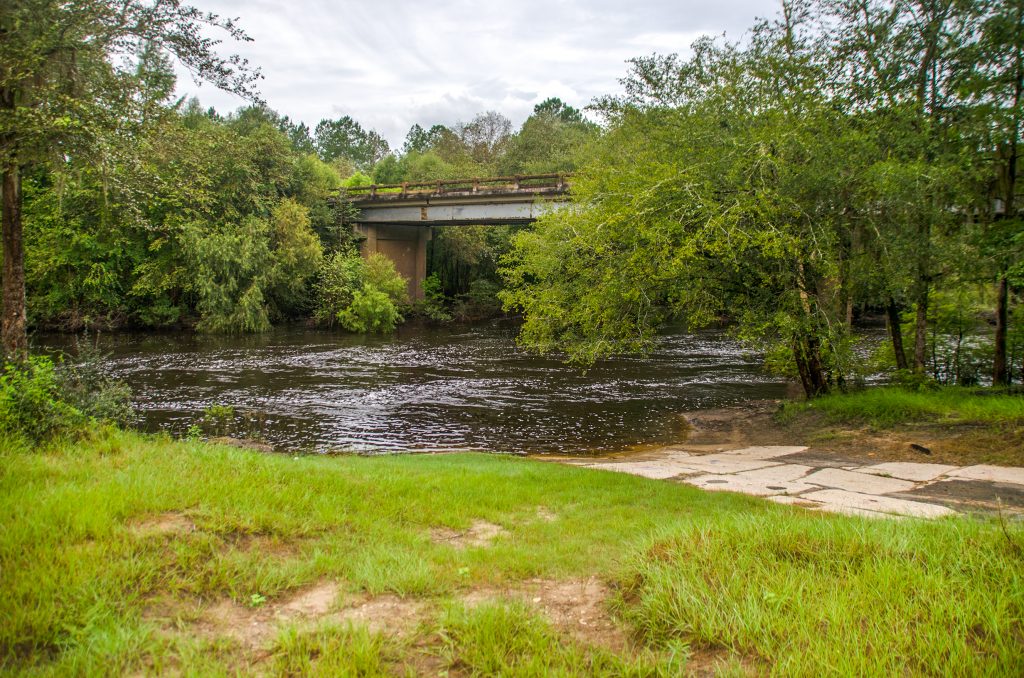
(361, 295)
(223, 223)
(847, 156)
(40, 399)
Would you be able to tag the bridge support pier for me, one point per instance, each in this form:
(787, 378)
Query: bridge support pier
(405, 246)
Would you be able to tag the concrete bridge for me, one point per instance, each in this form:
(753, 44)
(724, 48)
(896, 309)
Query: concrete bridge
(397, 220)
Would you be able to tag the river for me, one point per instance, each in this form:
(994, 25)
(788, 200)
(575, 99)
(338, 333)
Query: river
(441, 389)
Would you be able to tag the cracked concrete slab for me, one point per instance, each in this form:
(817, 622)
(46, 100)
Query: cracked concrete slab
(748, 485)
(855, 481)
(789, 474)
(761, 452)
(784, 473)
(909, 470)
(995, 474)
(655, 470)
(964, 494)
(790, 500)
(842, 500)
(831, 508)
(726, 463)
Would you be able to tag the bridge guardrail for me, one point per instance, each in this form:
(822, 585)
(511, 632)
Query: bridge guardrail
(518, 182)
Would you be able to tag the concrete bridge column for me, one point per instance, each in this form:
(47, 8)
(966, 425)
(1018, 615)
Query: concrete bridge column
(405, 246)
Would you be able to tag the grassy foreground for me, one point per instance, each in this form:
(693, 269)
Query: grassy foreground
(699, 581)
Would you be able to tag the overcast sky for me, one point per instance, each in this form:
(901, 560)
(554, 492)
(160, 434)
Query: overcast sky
(392, 63)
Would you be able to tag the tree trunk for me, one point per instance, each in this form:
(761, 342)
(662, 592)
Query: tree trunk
(13, 335)
(1000, 373)
(921, 329)
(892, 313)
(808, 364)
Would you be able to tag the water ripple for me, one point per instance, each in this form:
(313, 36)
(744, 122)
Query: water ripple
(436, 389)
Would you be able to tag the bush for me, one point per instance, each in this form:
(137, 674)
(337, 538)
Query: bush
(362, 295)
(31, 404)
(341, 275)
(40, 400)
(433, 304)
(381, 274)
(85, 385)
(370, 311)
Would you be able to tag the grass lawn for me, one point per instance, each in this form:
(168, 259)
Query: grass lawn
(128, 554)
(887, 406)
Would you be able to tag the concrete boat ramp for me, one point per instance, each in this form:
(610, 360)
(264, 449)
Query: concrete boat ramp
(793, 475)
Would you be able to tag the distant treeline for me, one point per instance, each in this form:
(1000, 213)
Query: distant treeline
(222, 222)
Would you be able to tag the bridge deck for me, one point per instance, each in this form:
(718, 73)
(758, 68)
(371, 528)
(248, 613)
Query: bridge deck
(396, 220)
(495, 189)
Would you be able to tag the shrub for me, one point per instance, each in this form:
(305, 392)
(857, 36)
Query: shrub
(41, 400)
(381, 274)
(361, 295)
(370, 311)
(86, 385)
(433, 304)
(31, 403)
(341, 275)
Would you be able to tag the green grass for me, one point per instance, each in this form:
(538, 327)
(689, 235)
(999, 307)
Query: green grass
(510, 639)
(751, 583)
(335, 651)
(831, 596)
(887, 406)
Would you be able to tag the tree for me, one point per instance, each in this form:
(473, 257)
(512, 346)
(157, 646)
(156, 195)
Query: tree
(419, 140)
(548, 141)
(485, 136)
(556, 108)
(719, 204)
(346, 138)
(897, 66)
(63, 87)
(991, 79)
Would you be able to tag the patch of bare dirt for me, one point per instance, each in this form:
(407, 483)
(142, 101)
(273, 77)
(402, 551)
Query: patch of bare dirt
(267, 545)
(711, 661)
(546, 515)
(253, 627)
(480, 533)
(171, 522)
(578, 607)
(385, 614)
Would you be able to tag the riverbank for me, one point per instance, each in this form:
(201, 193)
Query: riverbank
(134, 554)
(879, 453)
(955, 426)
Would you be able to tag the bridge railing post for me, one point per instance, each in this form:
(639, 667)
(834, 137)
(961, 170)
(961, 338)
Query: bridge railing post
(373, 190)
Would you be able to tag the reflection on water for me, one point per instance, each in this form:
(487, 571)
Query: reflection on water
(430, 389)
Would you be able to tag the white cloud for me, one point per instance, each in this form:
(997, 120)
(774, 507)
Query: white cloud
(397, 62)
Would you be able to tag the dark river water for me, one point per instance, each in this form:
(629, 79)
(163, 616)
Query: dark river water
(427, 389)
